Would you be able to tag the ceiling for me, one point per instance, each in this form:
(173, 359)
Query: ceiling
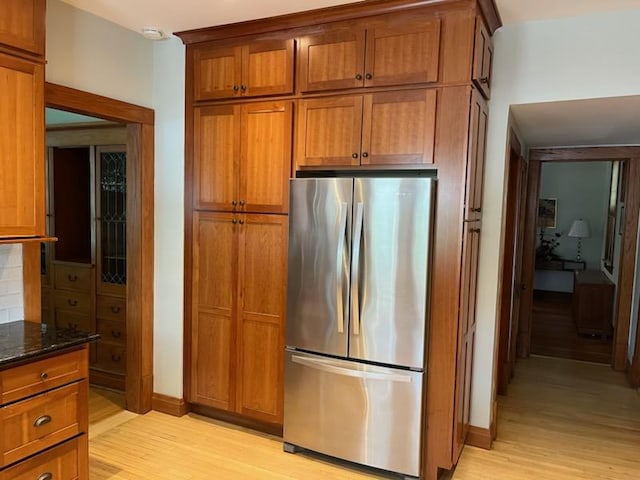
(600, 121)
(173, 16)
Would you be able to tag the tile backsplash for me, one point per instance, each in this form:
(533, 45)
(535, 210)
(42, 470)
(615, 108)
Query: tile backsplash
(11, 305)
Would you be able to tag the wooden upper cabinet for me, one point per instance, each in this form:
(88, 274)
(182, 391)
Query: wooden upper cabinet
(393, 52)
(332, 61)
(262, 286)
(242, 157)
(215, 160)
(483, 59)
(329, 131)
(261, 68)
(22, 24)
(476, 156)
(385, 129)
(399, 128)
(21, 148)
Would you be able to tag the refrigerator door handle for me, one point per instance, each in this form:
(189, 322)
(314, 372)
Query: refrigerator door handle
(342, 240)
(328, 366)
(355, 269)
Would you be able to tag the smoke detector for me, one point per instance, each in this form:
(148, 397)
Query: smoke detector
(152, 33)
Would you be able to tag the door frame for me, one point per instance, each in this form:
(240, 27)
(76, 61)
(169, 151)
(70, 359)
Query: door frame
(624, 292)
(140, 225)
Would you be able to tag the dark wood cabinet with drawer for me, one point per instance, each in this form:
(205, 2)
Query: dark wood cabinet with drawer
(593, 303)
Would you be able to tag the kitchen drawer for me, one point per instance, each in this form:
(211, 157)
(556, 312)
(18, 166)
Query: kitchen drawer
(72, 320)
(112, 308)
(59, 463)
(36, 377)
(42, 421)
(111, 357)
(73, 301)
(113, 331)
(73, 277)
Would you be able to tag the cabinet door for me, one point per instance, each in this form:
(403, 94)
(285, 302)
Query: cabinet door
(214, 280)
(267, 68)
(21, 148)
(329, 131)
(261, 310)
(216, 136)
(399, 128)
(482, 59)
(265, 156)
(22, 24)
(217, 72)
(408, 52)
(476, 156)
(332, 60)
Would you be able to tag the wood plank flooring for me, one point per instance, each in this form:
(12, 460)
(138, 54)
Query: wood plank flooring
(553, 332)
(562, 420)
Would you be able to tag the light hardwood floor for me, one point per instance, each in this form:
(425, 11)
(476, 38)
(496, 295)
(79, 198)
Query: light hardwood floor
(562, 420)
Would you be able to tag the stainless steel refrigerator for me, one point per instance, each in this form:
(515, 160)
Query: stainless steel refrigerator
(357, 304)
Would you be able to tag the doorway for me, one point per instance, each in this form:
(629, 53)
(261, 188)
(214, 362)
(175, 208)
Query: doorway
(139, 124)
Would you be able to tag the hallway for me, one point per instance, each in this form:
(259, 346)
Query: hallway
(562, 420)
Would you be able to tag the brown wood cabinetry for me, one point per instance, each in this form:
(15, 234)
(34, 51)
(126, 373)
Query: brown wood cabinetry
(238, 284)
(260, 68)
(593, 303)
(393, 52)
(369, 129)
(482, 58)
(242, 157)
(22, 25)
(44, 418)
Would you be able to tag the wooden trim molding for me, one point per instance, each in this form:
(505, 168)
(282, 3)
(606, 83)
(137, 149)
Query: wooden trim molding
(337, 13)
(583, 154)
(176, 407)
(140, 191)
(479, 437)
(31, 281)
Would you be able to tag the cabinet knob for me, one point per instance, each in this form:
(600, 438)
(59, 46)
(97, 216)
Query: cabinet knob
(241, 222)
(234, 221)
(71, 302)
(45, 476)
(474, 230)
(477, 209)
(73, 326)
(358, 77)
(72, 278)
(115, 309)
(484, 80)
(242, 202)
(354, 155)
(365, 154)
(368, 76)
(243, 88)
(44, 376)
(116, 358)
(236, 88)
(115, 334)
(42, 420)
(234, 202)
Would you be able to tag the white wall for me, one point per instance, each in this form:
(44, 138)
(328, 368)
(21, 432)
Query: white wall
(565, 59)
(11, 305)
(168, 101)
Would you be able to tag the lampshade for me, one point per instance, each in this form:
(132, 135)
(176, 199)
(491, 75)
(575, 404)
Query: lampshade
(579, 229)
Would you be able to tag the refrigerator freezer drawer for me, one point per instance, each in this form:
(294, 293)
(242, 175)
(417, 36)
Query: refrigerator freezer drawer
(362, 413)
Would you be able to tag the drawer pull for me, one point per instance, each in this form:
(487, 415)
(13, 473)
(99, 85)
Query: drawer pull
(115, 309)
(44, 376)
(115, 358)
(43, 420)
(73, 326)
(115, 334)
(72, 302)
(45, 476)
(72, 278)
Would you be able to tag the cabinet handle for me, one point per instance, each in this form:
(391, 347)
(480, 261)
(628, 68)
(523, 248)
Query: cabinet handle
(115, 358)
(243, 88)
(236, 88)
(354, 155)
(474, 230)
(42, 420)
(368, 76)
(241, 222)
(72, 278)
(234, 221)
(115, 334)
(72, 302)
(484, 80)
(45, 476)
(477, 209)
(234, 202)
(115, 309)
(44, 376)
(242, 202)
(358, 77)
(365, 154)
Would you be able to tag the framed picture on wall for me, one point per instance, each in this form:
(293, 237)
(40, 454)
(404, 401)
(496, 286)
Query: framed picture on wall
(547, 212)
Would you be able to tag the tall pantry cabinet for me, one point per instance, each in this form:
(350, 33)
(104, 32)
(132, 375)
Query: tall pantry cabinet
(380, 87)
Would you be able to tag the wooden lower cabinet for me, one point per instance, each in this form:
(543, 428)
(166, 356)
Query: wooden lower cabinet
(238, 309)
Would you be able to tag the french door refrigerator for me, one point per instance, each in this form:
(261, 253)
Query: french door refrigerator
(357, 304)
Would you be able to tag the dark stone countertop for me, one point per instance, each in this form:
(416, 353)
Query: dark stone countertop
(24, 340)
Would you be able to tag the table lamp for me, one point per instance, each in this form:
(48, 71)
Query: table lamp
(579, 229)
